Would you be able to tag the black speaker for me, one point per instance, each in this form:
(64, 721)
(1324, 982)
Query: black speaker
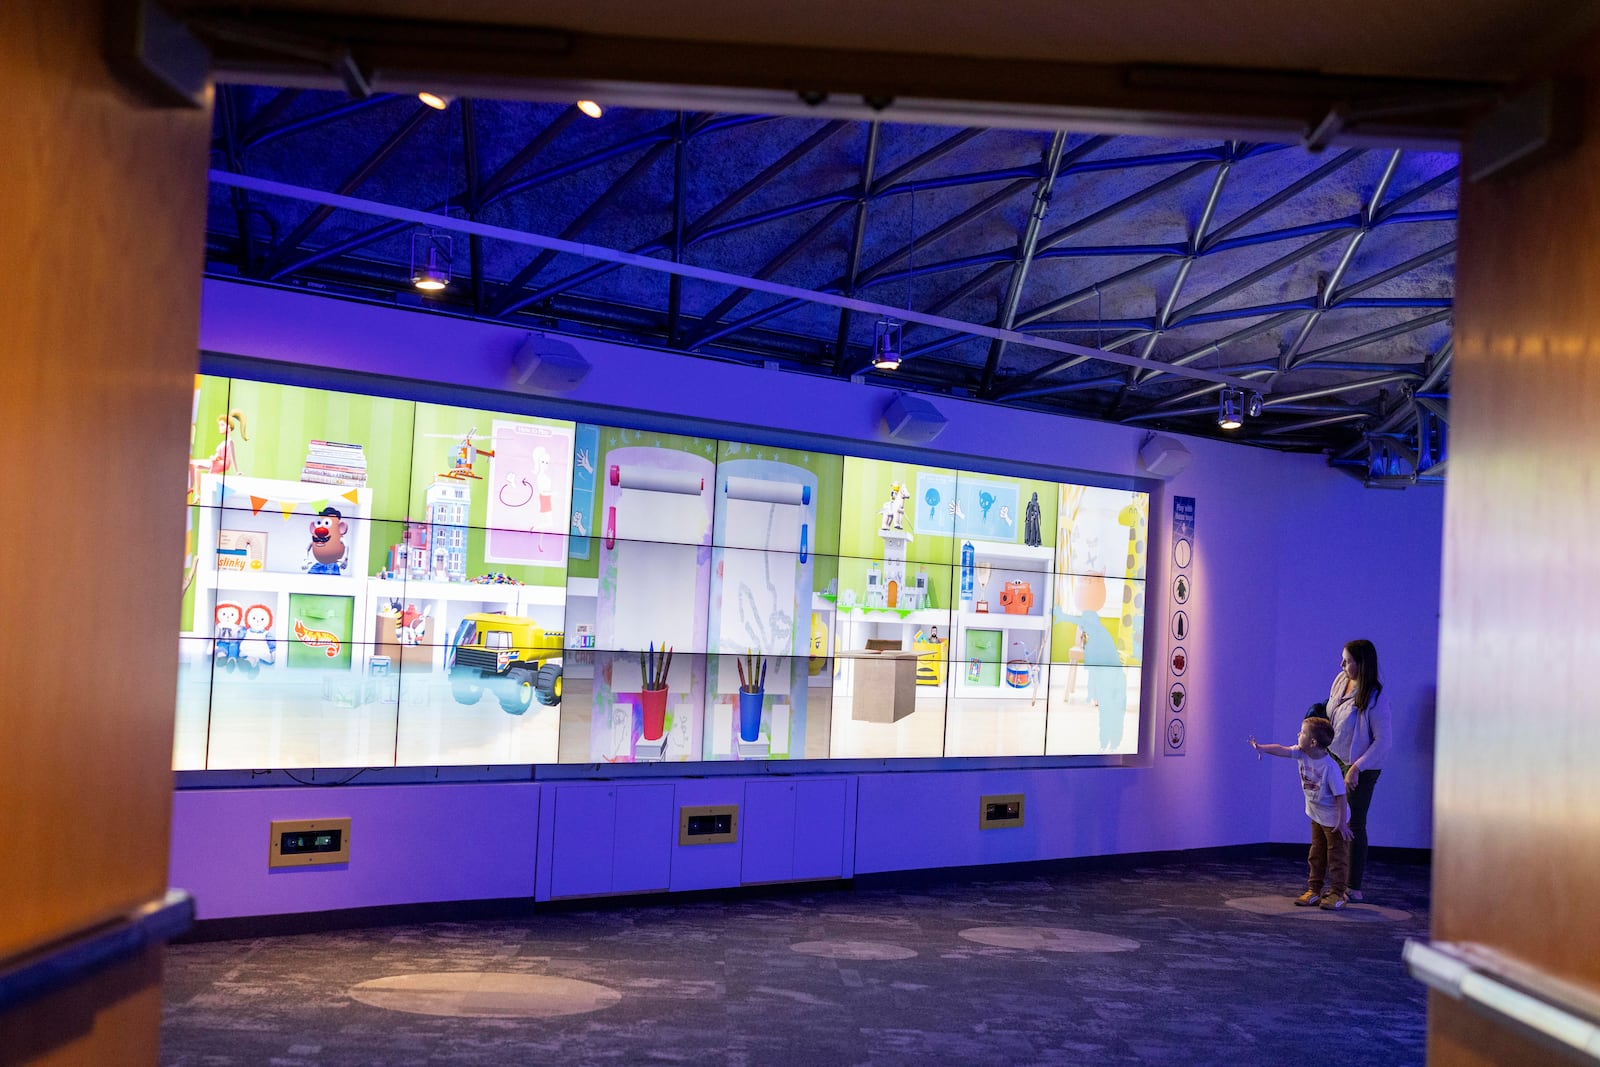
(912, 419)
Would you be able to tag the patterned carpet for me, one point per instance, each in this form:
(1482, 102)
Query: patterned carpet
(1173, 963)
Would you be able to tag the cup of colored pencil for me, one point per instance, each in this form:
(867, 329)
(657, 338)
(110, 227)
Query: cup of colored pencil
(653, 670)
(752, 694)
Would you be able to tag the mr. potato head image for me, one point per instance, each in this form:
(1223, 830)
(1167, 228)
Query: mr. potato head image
(327, 553)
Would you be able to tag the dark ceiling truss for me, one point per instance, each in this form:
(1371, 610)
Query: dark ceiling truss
(1319, 277)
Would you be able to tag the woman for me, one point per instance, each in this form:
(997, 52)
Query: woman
(1362, 733)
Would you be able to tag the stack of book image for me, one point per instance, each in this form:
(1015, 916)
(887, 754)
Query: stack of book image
(334, 463)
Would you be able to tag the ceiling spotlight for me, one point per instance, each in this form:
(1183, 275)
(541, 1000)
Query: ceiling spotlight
(1230, 409)
(590, 108)
(886, 345)
(430, 261)
(1252, 406)
(437, 101)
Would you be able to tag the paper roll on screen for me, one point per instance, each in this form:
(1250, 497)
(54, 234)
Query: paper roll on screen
(769, 492)
(658, 481)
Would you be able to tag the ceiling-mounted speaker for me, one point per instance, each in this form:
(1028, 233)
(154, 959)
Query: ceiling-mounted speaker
(1163, 457)
(912, 419)
(544, 364)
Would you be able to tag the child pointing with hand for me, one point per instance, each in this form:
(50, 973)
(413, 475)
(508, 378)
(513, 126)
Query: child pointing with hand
(1329, 859)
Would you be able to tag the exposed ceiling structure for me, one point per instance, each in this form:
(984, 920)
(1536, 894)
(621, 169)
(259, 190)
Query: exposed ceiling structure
(1115, 277)
(1300, 245)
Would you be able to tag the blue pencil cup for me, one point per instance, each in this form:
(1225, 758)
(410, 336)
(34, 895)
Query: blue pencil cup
(750, 714)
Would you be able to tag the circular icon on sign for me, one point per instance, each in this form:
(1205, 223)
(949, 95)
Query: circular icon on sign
(1182, 552)
(1175, 697)
(1175, 733)
(1180, 625)
(1180, 589)
(1180, 660)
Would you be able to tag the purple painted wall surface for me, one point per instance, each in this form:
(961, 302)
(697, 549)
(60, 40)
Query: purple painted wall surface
(1292, 559)
(409, 844)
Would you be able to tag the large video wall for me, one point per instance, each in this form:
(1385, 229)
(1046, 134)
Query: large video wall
(377, 582)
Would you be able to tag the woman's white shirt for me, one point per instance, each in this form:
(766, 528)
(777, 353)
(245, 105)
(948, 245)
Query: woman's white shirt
(1364, 736)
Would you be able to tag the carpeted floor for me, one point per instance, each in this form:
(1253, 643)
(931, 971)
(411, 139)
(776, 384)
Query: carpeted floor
(1181, 963)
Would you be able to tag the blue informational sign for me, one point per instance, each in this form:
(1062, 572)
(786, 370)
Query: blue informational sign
(1177, 732)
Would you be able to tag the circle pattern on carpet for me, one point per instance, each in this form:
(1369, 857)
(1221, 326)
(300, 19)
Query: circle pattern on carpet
(1048, 939)
(1282, 905)
(485, 995)
(853, 950)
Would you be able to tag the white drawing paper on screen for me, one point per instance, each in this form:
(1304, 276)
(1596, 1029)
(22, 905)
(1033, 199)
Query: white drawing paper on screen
(654, 529)
(529, 494)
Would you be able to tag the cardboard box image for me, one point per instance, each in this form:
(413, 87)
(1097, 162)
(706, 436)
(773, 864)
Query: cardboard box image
(884, 685)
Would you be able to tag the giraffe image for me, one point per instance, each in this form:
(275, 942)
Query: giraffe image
(1136, 517)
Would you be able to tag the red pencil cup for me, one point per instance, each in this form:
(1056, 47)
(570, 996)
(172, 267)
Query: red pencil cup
(654, 704)
(750, 714)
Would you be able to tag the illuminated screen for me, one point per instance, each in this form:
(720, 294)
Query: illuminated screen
(375, 582)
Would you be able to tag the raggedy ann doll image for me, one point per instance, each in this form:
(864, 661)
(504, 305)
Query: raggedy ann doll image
(257, 647)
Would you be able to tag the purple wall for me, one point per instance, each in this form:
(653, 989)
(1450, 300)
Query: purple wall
(409, 844)
(1292, 559)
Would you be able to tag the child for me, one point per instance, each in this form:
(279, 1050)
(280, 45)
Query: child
(1330, 813)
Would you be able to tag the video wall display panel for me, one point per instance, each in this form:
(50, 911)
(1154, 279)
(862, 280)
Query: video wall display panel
(375, 582)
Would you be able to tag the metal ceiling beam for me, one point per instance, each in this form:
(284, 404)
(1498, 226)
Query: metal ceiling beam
(511, 296)
(1326, 287)
(1164, 318)
(1418, 323)
(1390, 210)
(274, 267)
(680, 222)
(1066, 233)
(1282, 196)
(297, 47)
(978, 210)
(1396, 271)
(1256, 276)
(708, 330)
(491, 192)
(1313, 424)
(343, 110)
(858, 233)
(720, 209)
(472, 174)
(1083, 293)
(269, 113)
(688, 270)
(1054, 156)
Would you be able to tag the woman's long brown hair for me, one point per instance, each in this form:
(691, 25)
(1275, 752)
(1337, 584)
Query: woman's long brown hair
(1367, 685)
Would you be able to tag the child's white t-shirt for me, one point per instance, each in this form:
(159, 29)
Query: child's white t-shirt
(1322, 781)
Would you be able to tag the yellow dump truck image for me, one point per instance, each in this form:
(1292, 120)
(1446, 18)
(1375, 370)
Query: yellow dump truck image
(513, 657)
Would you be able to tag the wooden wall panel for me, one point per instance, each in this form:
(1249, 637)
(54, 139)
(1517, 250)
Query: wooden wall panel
(101, 228)
(1517, 792)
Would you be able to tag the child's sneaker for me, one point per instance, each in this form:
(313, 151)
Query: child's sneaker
(1308, 899)
(1332, 901)
(1355, 896)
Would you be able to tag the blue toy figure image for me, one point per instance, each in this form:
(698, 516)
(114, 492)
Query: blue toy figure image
(327, 553)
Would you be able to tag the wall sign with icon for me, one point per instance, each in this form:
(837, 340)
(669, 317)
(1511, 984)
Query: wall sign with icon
(1175, 735)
